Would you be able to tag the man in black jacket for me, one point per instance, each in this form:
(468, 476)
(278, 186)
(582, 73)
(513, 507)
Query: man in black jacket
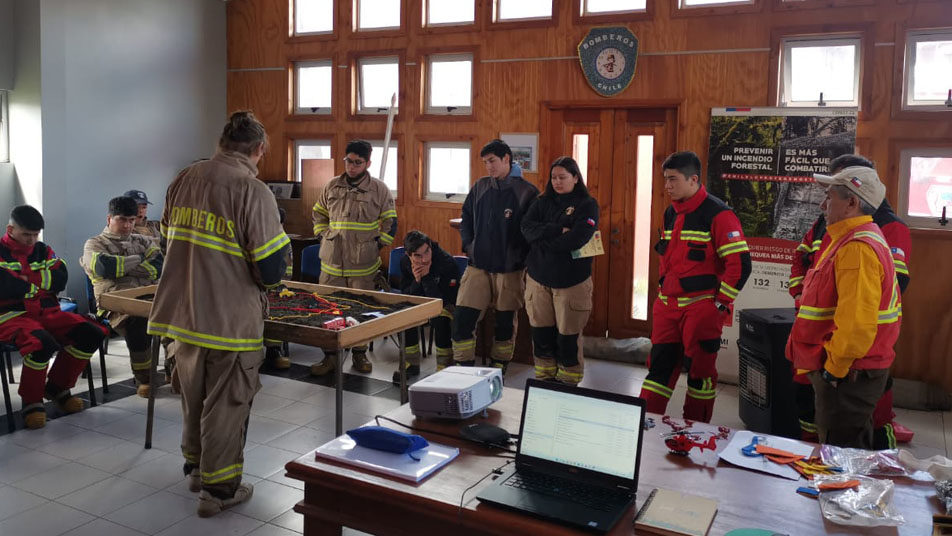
(492, 238)
(427, 270)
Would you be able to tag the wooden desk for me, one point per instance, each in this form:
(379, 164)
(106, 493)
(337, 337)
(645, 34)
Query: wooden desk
(336, 495)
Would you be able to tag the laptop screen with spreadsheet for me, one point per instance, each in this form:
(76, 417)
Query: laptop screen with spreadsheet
(566, 426)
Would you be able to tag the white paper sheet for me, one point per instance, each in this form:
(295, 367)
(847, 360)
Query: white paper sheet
(732, 454)
(345, 450)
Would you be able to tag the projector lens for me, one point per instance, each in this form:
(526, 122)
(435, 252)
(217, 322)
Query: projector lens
(495, 388)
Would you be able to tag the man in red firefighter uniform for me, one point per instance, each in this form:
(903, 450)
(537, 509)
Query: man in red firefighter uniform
(705, 262)
(850, 311)
(30, 317)
(886, 431)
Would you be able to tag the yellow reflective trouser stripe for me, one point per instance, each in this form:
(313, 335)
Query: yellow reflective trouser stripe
(142, 366)
(35, 365)
(355, 225)
(901, 267)
(270, 246)
(189, 458)
(413, 349)
(232, 471)
(320, 209)
(464, 345)
(447, 314)
(807, 426)
(816, 313)
(12, 314)
(734, 247)
(77, 353)
(890, 436)
(443, 351)
(338, 272)
(657, 388)
(729, 290)
(205, 241)
(545, 369)
(685, 301)
(794, 281)
(874, 236)
(205, 340)
(702, 394)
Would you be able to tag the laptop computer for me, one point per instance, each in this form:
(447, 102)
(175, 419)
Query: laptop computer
(578, 456)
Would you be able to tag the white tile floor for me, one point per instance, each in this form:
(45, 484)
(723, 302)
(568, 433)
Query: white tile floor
(88, 474)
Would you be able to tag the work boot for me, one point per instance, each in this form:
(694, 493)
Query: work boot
(273, 357)
(34, 416)
(65, 401)
(412, 372)
(325, 367)
(360, 361)
(143, 390)
(194, 481)
(209, 505)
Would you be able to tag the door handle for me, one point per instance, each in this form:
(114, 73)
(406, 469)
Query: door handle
(615, 230)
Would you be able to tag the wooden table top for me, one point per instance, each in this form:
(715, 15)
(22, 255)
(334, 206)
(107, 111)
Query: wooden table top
(746, 499)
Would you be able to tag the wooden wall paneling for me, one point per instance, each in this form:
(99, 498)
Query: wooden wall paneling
(256, 32)
(692, 61)
(266, 94)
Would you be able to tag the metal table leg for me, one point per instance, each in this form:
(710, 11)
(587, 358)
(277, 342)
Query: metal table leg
(339, 422)
(403, 367)
(153, 374)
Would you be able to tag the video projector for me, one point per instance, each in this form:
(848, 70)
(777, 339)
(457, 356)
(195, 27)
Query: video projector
(456, 392)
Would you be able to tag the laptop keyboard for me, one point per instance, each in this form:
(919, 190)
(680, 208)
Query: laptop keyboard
(578, 492)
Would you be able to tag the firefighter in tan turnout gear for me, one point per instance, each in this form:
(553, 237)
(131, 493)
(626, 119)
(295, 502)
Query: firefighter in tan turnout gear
(225, 248)
(118, 259)
(354, 217)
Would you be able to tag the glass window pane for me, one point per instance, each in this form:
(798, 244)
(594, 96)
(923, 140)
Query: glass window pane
(451, 83)
(523, 9)
(450, 11)
(310, 150)
(645, 174)
(447, 169)
(375, 14)
(376, 158)
(607, 6)
(932, 73)
(314, 87)
(580, 154)
(930, 186)
(379, 80)
(827, 69)
(692, 3)
(313, 16)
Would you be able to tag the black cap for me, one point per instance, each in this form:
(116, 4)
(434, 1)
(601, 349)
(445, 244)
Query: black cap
(139, 196)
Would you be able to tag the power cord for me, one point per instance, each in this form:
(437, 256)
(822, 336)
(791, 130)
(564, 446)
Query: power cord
(497, 471)
(377, 419)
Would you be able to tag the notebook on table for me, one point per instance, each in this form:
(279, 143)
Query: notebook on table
(577, 459)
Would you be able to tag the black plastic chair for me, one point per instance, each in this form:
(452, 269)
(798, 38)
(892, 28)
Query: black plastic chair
(104, 347)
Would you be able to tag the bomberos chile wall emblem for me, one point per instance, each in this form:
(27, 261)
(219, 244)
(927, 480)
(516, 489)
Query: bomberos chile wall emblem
(608, 57)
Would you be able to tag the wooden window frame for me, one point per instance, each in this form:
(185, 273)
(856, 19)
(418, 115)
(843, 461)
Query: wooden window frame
(898, 169)
(292, 142)
(519, 24)
(423, 61)
(476, 25)
(333, 35)
(401, 158)
(353, 65)
(791, 42)
(865, 31)
(902, 74)
(579, 19)
(295, 108)
(733, 8)
(382, 32)
(421, 145)
(790, 5)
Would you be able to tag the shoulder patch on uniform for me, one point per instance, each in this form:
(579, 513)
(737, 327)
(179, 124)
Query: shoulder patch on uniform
(591, 222)
(733, 234)
(897, 251)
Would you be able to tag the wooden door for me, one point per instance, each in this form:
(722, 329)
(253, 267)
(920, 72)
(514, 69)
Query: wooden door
(620, 151)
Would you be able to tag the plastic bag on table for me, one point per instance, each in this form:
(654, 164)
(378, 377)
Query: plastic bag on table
(867, 505)
(864, 462)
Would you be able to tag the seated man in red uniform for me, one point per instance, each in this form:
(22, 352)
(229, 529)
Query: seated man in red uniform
(30, 317)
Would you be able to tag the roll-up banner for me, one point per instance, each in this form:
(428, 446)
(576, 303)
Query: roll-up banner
(761, 162)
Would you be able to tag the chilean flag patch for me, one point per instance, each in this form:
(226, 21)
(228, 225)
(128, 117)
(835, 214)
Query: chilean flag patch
(590, 221)
(898, 251)
(733, 234)
(856, 182)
